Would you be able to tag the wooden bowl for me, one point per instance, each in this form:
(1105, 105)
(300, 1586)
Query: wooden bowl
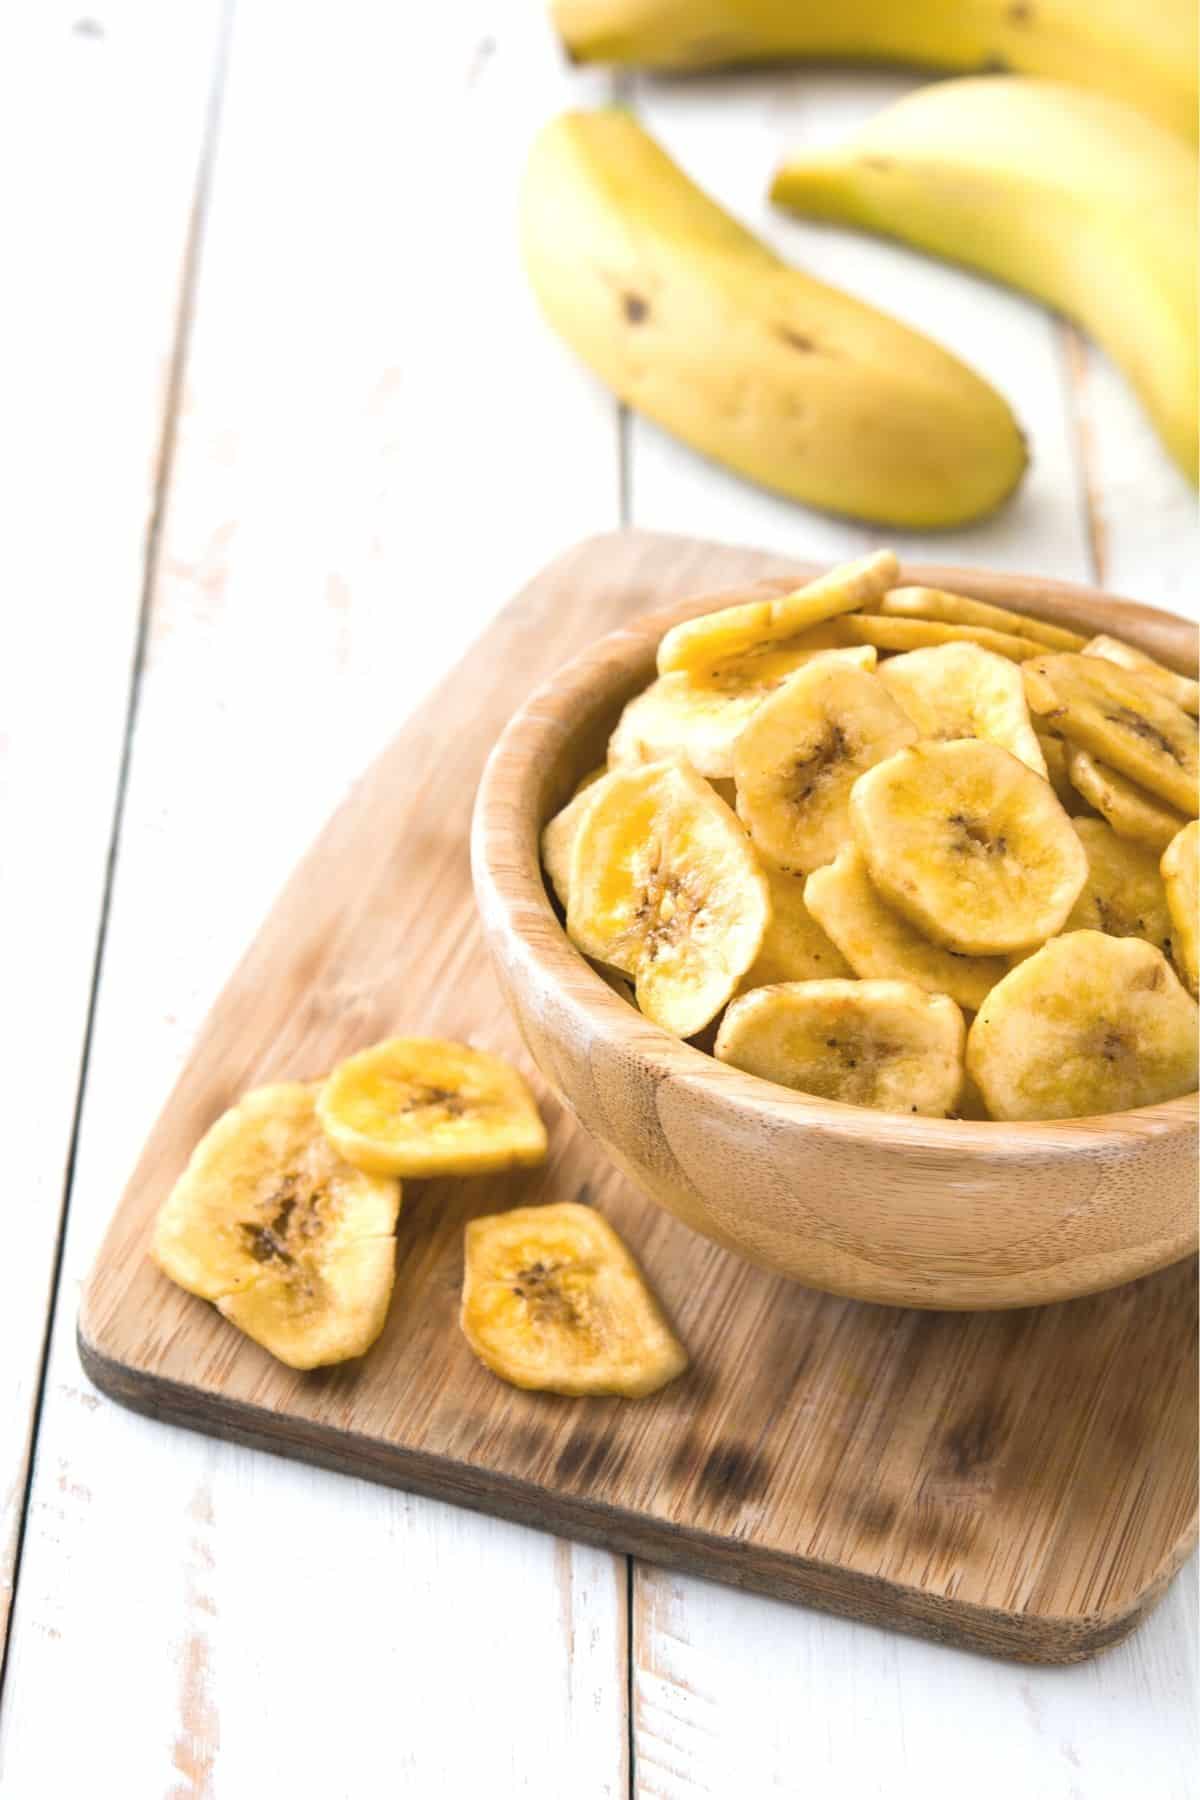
(902, 1210)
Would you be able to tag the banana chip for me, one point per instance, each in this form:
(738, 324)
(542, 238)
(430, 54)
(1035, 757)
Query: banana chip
(882, 1044)
(964, 691)
(1054, 753)
(1121, 719)
(552, 1300)
(879, 942)
(1180, 879)
(424, 1107)
(1129, 809)
(970, 845)
(957, 609)
(795, 948)
(1124, 893)
(1179, 688)
(665, 886)
(798, 759)
(294, 1246)
(1088, 1024)
(558, 837)
(700, 719)
(888, 632)
(760, 626)
(677, 718)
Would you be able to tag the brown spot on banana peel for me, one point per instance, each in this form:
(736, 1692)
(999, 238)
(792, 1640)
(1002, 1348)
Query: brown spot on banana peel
(636, 307)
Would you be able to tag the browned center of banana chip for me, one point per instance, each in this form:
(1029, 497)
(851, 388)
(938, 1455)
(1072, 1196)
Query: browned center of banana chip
(669, 908)
(1128, 720)
(973, 836)
(816, 766)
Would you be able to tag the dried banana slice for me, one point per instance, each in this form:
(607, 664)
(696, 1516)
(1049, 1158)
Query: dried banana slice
(1179, 688)
(426, 1107)
(888, 633)
(1180, 879)
(676, 717)
(1054, 752)
(1123, 721)
(801, 754)
(558, 837)
(701, 718)
(666, 887)
(1088, 1024)
(759, 626)
(552, 1300)
(879, 942)
(1124, 893)
(883, 1044)
(1129, 809)
(795, 948)
(294, 1246)
(970, 845)
(964, 691)
(957, 609)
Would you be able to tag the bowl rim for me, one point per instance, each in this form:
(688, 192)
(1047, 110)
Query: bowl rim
(511, 888)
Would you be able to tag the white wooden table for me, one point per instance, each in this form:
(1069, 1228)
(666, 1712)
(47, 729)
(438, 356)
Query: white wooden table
(281, 430)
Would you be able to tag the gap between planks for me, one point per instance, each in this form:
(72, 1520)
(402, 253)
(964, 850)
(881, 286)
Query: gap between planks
(163, 463)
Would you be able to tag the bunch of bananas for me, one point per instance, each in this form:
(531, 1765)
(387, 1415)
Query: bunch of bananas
(1081, 190)
(873, 847)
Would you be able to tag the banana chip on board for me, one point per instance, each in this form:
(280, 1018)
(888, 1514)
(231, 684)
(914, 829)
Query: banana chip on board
(970, 845)
(295, 1247)
(1124, 892)
(758, 627)
(552, 1300)
(1179, 875)
(964, 691)
(666, 887)
(1088, 1024)
(881, 1044)
(878, 942)
(1121, 719)
(425, 1107)
(800, 756)
(1128, 808)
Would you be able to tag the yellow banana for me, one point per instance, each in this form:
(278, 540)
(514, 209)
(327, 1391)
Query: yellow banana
(1144, 55)
(1073, 197)
(694, 322)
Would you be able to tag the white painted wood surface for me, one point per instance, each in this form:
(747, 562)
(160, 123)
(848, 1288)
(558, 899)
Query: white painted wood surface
(96, 234)
(366, 377)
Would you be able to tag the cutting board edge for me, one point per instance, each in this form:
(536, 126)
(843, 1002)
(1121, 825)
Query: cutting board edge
(846, 1593)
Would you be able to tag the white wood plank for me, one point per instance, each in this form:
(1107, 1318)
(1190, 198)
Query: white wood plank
(1145, 526)
(102, 119)
(729, 133)
(735, 1695)
(378, 443)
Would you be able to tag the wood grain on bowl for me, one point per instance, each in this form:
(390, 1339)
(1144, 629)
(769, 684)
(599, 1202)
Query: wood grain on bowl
(1021, 1482)
(903, 1210)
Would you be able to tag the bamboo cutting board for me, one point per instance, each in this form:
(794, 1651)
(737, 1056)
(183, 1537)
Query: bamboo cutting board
(1019, 1482)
